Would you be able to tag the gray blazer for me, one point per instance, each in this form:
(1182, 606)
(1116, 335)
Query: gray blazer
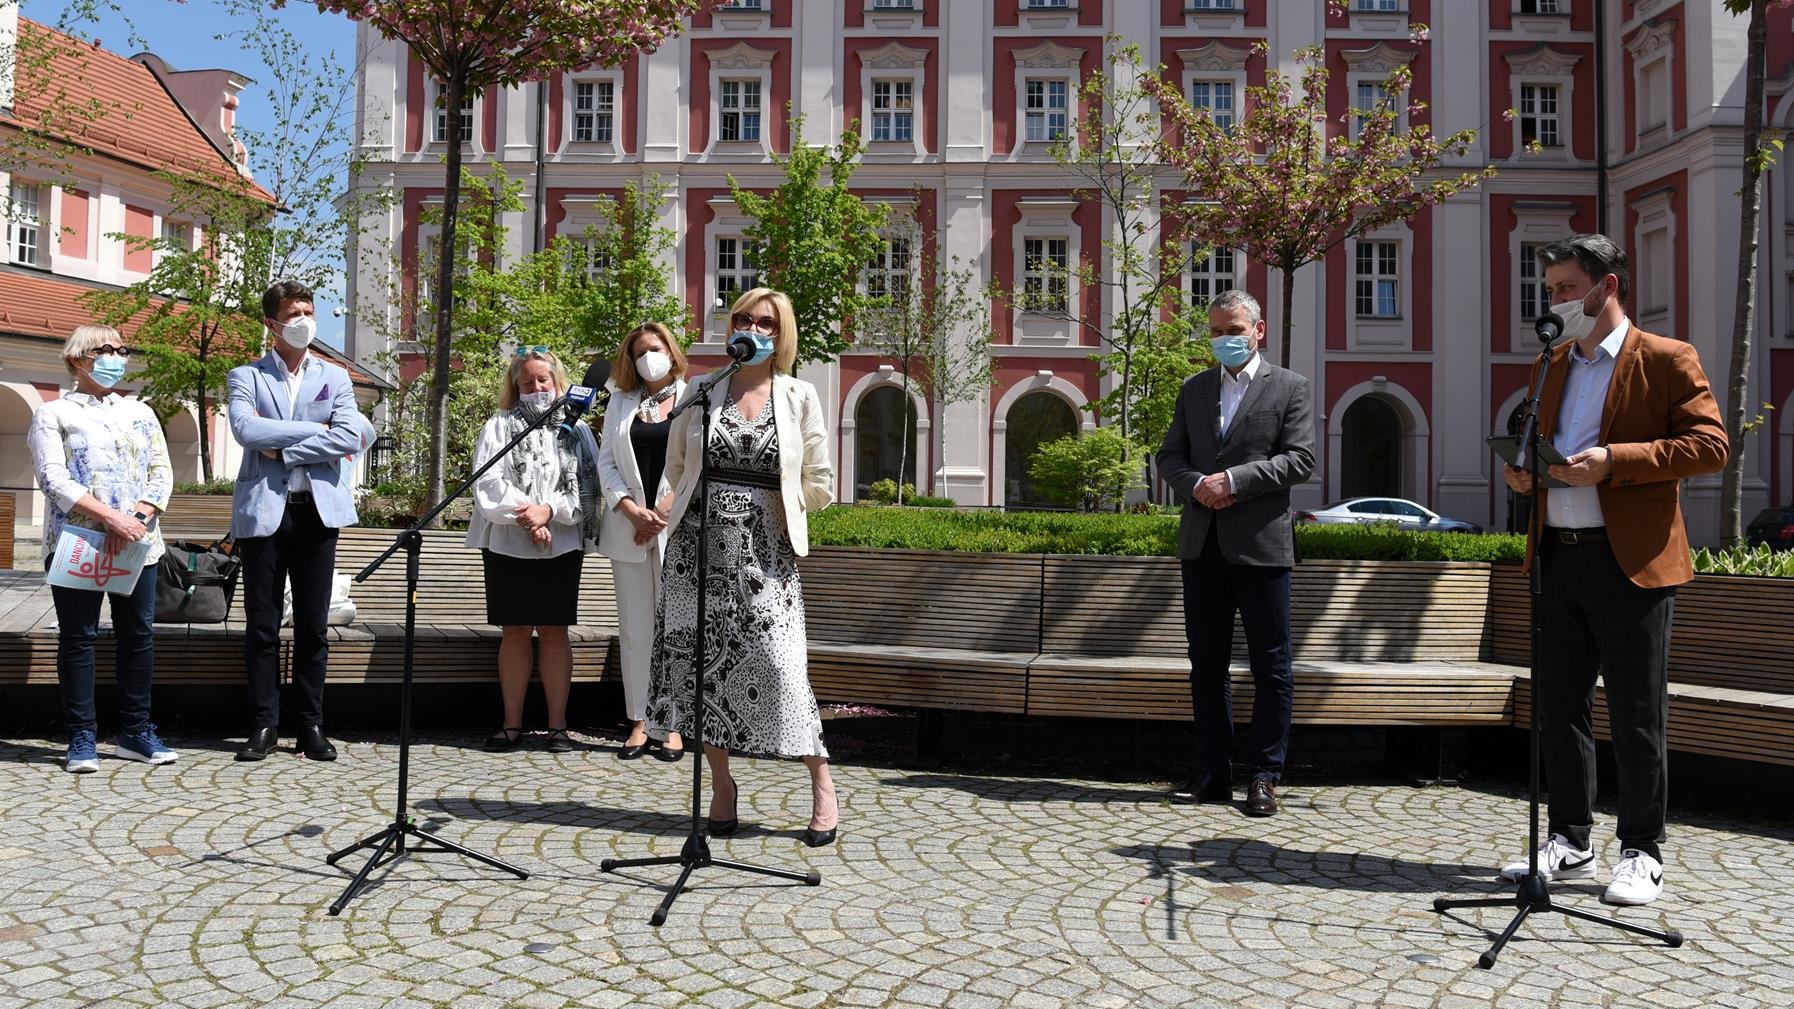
(259, 419)
(1269, 448)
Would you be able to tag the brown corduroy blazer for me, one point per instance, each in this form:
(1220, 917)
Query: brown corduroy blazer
(1662, 423)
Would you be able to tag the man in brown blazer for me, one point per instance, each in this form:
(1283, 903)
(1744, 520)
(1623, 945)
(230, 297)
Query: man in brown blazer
(1633, 415)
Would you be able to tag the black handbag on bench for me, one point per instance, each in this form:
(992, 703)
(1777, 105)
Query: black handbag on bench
(195, 582)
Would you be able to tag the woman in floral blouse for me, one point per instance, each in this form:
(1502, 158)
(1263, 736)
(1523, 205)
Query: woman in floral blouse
(102, 463)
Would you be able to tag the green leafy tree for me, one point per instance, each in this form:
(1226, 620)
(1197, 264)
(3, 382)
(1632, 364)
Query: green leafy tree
(813, 239)
(1285, 187)
(476, 46)
(932, 319)
(618, 269)
(1090, 471)
(1760, 148)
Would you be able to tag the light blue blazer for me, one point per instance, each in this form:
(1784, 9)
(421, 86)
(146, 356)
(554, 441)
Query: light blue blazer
(260, 419)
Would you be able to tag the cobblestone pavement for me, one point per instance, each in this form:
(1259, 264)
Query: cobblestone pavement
(202, 883)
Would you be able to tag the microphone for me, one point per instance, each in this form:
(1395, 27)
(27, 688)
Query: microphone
(581, 398)
(1549, 327)
(742, 348)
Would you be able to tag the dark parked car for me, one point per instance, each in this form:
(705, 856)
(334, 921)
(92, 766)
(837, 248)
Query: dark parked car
(1772, 526)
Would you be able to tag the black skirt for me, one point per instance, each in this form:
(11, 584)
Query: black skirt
(532, 591)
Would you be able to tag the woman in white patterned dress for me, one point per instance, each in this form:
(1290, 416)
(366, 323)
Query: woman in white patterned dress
(768, 466)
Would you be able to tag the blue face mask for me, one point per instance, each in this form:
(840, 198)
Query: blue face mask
(1232, 351)
(107, 370)
(763, 345)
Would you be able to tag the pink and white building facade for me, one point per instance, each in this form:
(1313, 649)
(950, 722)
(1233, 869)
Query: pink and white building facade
(1417, 339)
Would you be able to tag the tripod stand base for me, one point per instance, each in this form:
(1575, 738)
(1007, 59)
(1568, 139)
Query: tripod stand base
(389, 846)
(1532, 897)
(694, 856)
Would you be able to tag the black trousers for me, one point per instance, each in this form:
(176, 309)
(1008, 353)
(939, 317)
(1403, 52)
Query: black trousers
(303, 549)
(1595, 621)
(1213, 590)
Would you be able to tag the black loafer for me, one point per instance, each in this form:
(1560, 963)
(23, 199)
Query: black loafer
(819, 838)
(664, 752)
(633, 752)
(314, 745)
(260, 743)
(1202, 788)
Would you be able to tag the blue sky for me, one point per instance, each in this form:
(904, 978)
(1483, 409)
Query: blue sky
(185, 35)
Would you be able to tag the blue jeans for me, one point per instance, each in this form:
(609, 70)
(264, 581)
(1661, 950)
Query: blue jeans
(133, 625)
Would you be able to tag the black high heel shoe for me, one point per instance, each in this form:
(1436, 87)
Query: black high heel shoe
(820, 838)
(723, 828)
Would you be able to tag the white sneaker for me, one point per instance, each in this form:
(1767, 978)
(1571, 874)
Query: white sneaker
(1559, 858)
(1638, 879)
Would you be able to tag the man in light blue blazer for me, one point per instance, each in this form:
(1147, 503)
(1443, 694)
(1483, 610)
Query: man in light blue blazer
(295, 416)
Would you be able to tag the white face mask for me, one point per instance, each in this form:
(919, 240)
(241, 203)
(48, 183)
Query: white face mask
(653, 366)
(537, 400)
(1578, 323)
(299, 333)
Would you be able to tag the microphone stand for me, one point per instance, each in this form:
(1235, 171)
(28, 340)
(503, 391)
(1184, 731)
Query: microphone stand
(390, 844)
(695, 854)
(1531, 896)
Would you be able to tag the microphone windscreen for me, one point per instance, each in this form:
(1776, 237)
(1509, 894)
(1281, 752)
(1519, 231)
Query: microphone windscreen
(1548, 327)
(597, 374)
(742, 348)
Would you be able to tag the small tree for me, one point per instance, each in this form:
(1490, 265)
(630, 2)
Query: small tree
(932, 320)
(475, 46)
(618, 269)
(1088, 471)
(1759, 155)
(200, 305)
(1280, 188)
(812, 239)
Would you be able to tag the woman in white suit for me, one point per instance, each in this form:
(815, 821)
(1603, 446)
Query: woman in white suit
(768, 467)
(647, 378)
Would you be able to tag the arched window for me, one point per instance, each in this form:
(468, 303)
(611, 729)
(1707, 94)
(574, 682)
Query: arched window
(1034, 420)
(1371, 439)
(885, 437)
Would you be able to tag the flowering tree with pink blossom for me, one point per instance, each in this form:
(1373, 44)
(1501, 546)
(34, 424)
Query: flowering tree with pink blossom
(474, 46)
(1285, 184)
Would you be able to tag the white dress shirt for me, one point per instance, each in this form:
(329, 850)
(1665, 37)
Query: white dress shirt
(498, 498)
(1233, 391)
(297, 478)
(1579, 428)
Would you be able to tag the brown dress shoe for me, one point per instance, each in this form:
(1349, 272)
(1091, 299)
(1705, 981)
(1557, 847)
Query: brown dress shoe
(1261, 797)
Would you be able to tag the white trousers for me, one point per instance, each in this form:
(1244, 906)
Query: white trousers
(638, 593)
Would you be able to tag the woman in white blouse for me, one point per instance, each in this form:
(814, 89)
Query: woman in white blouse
(531, 527)
(647, 378)
(102, 463)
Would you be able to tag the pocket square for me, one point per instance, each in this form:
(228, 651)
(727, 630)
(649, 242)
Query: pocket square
(323, 394)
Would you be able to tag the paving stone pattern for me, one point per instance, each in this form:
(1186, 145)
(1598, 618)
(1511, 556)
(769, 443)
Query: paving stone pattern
(203, 884)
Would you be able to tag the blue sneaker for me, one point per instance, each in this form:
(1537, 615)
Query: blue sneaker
(84, 756)
(145, 746)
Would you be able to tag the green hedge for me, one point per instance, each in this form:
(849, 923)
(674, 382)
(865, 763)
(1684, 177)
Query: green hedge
(1128, 535)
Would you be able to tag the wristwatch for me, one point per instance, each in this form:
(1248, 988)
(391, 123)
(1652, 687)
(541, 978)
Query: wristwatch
(141, 517)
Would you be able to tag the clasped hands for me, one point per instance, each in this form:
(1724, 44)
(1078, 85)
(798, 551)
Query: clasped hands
(648, 522)
(1584, 469)
(534, 520)
(123, 529)
(1213, 491)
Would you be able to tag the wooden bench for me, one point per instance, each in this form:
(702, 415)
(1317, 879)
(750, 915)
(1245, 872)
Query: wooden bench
(8, 515)
(1395, 643)
(197, 517)
(1731, 664)
(922, 629)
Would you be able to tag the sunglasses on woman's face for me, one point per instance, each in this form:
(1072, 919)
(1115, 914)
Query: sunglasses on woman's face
(764, 323)
(106, 348)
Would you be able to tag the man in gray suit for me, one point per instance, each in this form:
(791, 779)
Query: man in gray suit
(1242, 435)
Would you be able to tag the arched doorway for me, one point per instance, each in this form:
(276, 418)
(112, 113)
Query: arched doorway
(1371, 437)
(181, 431)
(884, 437)
(1033, 420)
(17, 473)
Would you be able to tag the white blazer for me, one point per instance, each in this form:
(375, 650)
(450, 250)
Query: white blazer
(620, 477)
(806, 479)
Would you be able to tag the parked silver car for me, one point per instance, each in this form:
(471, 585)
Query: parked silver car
(1404, 513)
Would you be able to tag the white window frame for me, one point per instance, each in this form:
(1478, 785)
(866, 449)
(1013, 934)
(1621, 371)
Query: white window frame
(1558, 7)
(1044, 113)
(1656, 216)
(1534, 224)
(747, 107)
(1653, 66)
(891, 5)
(894, 63)
(38, 228)
(1050, 249)
(741, 63)
(1208, 271)
(1376, 6)
(1046, 62)
(1216, 63)
(895, 260)
(893, 110)
(470, 118)
(1544, 66)
(1225, 114)
(1384, 259)
(1372, 66)
(1382, 332)
(570, 112)
(1045, 218)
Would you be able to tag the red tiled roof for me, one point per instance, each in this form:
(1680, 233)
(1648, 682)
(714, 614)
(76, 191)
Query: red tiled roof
(143, 124)
(41, 306)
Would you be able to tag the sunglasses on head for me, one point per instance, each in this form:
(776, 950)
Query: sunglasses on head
(764, 323)
(527, 351)
(107, 348)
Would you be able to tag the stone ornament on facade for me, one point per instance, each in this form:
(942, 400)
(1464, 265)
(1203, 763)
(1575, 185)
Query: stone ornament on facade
(1378, 59)
(894, 56)
(1650, 40)
(1217, 55)
(1542, 61)
(742, 56)
(1048, 55)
